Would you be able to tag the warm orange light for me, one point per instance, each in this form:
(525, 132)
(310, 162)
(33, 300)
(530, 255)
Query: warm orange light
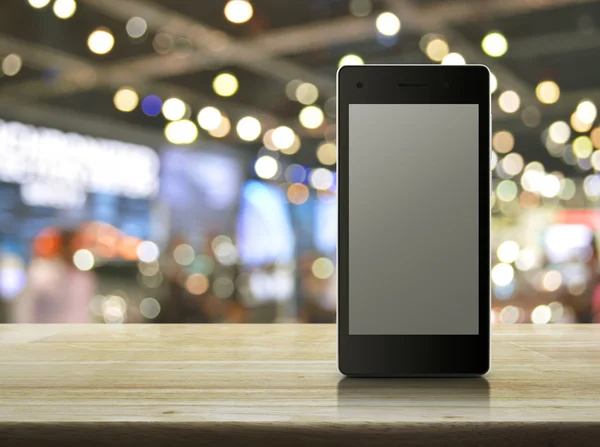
(127, 248)
(197, 284)
(529, 199)
(47, 243)
(298, 193)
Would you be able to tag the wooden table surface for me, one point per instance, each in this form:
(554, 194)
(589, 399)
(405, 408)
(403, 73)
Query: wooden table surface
(279, 385)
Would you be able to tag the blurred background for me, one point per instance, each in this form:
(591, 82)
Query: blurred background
(174, 161)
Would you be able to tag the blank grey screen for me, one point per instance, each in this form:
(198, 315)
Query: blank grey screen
(413, 210)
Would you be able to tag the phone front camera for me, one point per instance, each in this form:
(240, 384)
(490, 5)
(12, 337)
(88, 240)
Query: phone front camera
(359, 84)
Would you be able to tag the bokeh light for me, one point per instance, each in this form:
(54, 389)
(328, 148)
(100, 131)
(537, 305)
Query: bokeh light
(493, 161)
(149, 308)
(12, 64)
(549, 186)
(541, 314)
(507, 190)
(163, 43)
(388, 24)
(223, 287)
(351, 59)
(152, 105)
(184, 254)
(512, 164)
(238, 11)
(494, 44)
(64, 9)
(306, 93)
(225, 251)
(528, 199)
(547, 92)
(83, 260)
(568, 189)
(582, 147)
(586, 111)
(126, 99)
(295, 173)
(453, 59)
(579, 126)
(101, 41)
(148, 252)
(222, 129)
(437, 49)
(591, 186)
(311, 117)
(283, 137)
(510, 315)
(509, 101)
(225, 84)
(298, 193)
(174, 109)
(323, 268)
(503, 141)
(38, 3)
(148, 268)
(526, 260)
(248, 128)
(136, 27)
(295, 147)
(360, 8)
(504, 292)
(508, 251)
(327, 154)
(559, 132)
(181, 132)
(197, 284)
(493, 83)
(267, 140)
(266, 167)
(321, 179)
(291, 88)
(595, 137)
(552, 280)
(595, 160)
(114, 309)
(152, 282)
(502, 274)
(209, 118)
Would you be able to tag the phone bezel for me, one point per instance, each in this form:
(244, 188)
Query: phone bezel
(414, 355)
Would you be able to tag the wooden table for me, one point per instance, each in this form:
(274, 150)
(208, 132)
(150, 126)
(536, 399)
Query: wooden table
(269, 385)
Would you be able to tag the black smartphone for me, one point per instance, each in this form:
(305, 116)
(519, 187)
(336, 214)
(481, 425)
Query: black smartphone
(414, 220)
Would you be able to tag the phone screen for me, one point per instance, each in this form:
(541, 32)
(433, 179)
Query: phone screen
(414, 213)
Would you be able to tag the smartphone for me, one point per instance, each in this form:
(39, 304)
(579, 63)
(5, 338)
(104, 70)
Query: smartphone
(414, 220)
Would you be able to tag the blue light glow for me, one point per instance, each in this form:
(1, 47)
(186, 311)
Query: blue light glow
(504, 292)
(152, 105)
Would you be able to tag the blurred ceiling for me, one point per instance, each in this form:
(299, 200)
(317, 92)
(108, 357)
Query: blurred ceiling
(291, 40)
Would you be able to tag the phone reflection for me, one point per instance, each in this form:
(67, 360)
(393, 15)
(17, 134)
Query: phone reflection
(413, 399)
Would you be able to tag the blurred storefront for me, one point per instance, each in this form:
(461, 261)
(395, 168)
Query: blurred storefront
(167, 234)
(175, 161)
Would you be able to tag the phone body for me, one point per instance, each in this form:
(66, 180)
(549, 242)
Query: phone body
(414, 254)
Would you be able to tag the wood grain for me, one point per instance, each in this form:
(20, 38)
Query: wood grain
(278, 384)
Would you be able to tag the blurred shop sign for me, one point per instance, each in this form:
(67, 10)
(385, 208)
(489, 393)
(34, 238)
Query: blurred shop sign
(58, 169)
(590, 218)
